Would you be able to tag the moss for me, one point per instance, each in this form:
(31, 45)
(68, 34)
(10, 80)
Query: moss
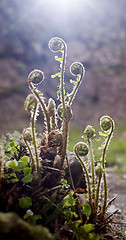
(13, 227)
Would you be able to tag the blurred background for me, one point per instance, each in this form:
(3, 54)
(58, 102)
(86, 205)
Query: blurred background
(95, 33)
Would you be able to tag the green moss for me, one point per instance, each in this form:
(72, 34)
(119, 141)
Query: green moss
(13, 227)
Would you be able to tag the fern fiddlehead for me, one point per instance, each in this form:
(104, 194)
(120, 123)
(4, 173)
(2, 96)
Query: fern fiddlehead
(107, 126)
(35, 78)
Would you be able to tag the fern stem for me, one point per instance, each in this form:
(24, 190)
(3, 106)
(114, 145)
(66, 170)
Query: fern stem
(104, 173)
(73, 93)
(42, 104)
(30, 152)
(62, 78)
(65, 121)
(65, 140)
(92, 168)
(97, 195)
(34, 139)
(87, 177)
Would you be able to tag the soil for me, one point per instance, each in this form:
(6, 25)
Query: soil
(117, 189)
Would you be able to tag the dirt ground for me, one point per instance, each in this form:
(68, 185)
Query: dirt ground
(117, 188)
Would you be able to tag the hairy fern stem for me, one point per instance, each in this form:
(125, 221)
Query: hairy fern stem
(42, 104)
(104, 172)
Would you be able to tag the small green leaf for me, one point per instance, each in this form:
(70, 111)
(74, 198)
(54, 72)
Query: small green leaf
(23, 162)
(28, 178)
(77, 223)
(25, 202)
(58, 59)
(64, 183)
(88, 227)
(12, 147)
(14, 180)
(102, 146)
(74, 215)
(104, 134)
(56, 75)
(73, 82)
(86, 210)
(33, 219)
(26, 216)
(26, 171)
(11, 178)
(12, 144)
(70, 202)
(11, 164)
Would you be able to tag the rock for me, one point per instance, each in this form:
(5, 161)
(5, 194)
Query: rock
(76, 171)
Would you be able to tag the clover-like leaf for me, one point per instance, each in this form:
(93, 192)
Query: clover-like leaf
(25, 202)
(12, 164)
(28, 178)
(23, 162)
(86, 210)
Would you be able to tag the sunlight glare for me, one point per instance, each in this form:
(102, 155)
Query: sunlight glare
(65, 5)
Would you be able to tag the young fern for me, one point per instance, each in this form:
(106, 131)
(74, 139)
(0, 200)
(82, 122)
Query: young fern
(64, 110)
(81, 149)
(76, 69)
(52, 153)
(98, 172)
(56, 45)
(89, 134)
(35, 78)
(107, 126)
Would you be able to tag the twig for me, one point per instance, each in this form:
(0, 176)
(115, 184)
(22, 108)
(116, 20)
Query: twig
(52, 169)
(118, 222)
(109, 203)
(49, 190)
(54, 204)
(111, 214)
